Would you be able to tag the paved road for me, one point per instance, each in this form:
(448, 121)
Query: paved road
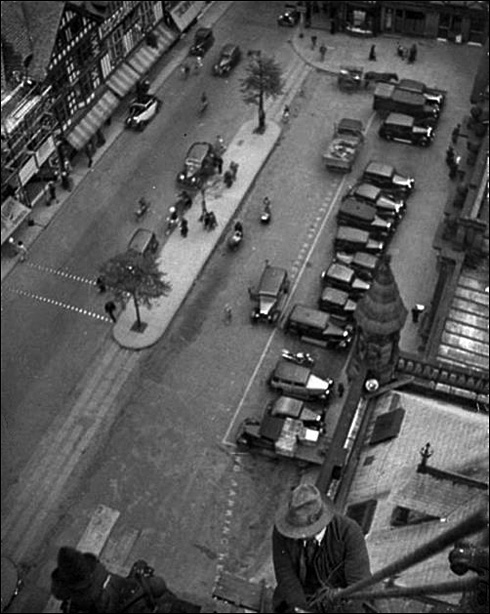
(164, 466)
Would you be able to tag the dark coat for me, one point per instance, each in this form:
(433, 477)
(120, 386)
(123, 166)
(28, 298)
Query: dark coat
(342, 560)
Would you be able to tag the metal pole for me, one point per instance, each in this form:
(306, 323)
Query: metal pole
(471, 525)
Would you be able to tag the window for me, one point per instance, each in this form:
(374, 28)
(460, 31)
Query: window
(116, 45)
(363, 514)
(387, 426)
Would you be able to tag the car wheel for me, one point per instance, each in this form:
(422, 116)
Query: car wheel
(142, 126)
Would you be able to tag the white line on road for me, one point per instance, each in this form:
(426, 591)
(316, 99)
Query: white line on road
(226, 441)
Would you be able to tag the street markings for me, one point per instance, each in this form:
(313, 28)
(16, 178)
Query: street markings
(55, 303)
(61, 273)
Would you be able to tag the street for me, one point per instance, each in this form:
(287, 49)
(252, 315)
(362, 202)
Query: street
(168, 465)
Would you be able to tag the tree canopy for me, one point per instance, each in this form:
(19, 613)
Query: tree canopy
(263, 80)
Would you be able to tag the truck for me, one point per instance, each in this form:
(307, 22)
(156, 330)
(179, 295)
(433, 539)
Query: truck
(342, 151)
(432, 95)
(389, 98)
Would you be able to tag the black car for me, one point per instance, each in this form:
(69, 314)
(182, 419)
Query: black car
(387, 177)
(203, 41)
(229, 57)
(200, 163)
(405, 129)
(289, 17)
(389, 207)
(338, 303)
(344, 278)
(361, 215)
(362, 263)
(320, 327)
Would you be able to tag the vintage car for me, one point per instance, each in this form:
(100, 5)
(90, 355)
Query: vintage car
(350, 240)
(143, 242)
(299, 382)
(341, 276)
(229, 57)
(387, 177)
(289, 17)
(270, 294)
(200, 164)
(350, 78)
(433, 96)
(143, 111)
(338, 303)
(362, 263)
(406, 129)
(319, 328)
(354, 213)
(343, 149)
(203, 41)
(389, 207)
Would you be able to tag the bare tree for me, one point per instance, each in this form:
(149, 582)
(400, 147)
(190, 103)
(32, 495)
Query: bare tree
(263, 80)
(134, 275)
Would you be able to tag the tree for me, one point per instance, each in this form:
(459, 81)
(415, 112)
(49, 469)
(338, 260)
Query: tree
(135, 275)
(263, 80)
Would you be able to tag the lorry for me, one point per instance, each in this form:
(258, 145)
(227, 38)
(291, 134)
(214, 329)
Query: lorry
(389, 98)
(432, 95)
(342, 151)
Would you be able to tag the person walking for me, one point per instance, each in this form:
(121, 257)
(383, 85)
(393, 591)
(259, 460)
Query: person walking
(323, 51)
(372, 53)
(455, 134)
(340, 389)
(21, 250)
(228, 313)
(100, 283)
(314, 546)
(52, 193)
(110, 309)
(313, 41)
(412, 54)
(184, 227)
(219, 164)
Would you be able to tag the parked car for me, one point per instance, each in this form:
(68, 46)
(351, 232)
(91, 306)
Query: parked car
(387, 177)
(229, 57)
(389, 207)
(318, 327)
(343, 149)
(203, 41)
(404, 128)
(299, 382)
(289, 407)
(270, 294)
(341, 276)
(338, 303)
(354, 213)
(199, 165)
(349, 239)
(289, 17)
(142, 112)
(143, 242)
(390, 98)
(433, 96)
(362, 263)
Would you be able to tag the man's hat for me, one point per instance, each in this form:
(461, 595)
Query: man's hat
(305, 514)
(75, 568)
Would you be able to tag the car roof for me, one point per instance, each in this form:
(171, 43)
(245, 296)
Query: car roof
(368, 190)
(203, 32)
(400, 118)
(380, 168)
(228, 48)
(198, 150)
(350, 233)
(272, 278)
(334, 295)
(310, 316)
(412, 84)
(365, 260)
(361, 211)
(287, 406)
(408, 97)
(140, 239)
(341, 271)
(354, 125)
(288, 370)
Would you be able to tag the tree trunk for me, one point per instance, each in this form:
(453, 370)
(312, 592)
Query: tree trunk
(137, 308)
(261, 126)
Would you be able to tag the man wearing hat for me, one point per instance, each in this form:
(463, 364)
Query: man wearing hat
(313, 546)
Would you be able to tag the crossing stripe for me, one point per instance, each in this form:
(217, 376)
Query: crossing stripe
(61, 273)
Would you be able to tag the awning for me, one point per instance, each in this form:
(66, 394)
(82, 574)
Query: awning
(123, 80)
(13, 214)
(88, 126)
(146, 56)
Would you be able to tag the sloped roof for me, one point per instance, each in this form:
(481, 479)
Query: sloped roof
(381, 310)
(387, 472)
(29, 29)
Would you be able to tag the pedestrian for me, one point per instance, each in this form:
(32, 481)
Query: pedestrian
(228, 178)
(52, 193)
(100, 283)
(212, 221)
(313, 41)
(233, 169)
(184, 227)
(455, 134)
(110, 309)
(453, 169)
(219, 145)
(372, 53)
(21, 250)
(340, 389)
(314, 546)
(88, 153)
(416, 311)
(450, 155)
(199, 63)
(219, 164)
(412, 54)
(228, 313)
(323, 51)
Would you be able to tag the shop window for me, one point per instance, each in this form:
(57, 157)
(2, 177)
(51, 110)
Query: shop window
(147, 18)
(414, 22)
(477, 30)
(116, 46)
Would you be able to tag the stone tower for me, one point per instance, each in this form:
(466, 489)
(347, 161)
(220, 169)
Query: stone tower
(380, 316)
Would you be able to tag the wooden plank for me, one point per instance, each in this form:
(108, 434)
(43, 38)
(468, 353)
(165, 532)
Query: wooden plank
(117, 550)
